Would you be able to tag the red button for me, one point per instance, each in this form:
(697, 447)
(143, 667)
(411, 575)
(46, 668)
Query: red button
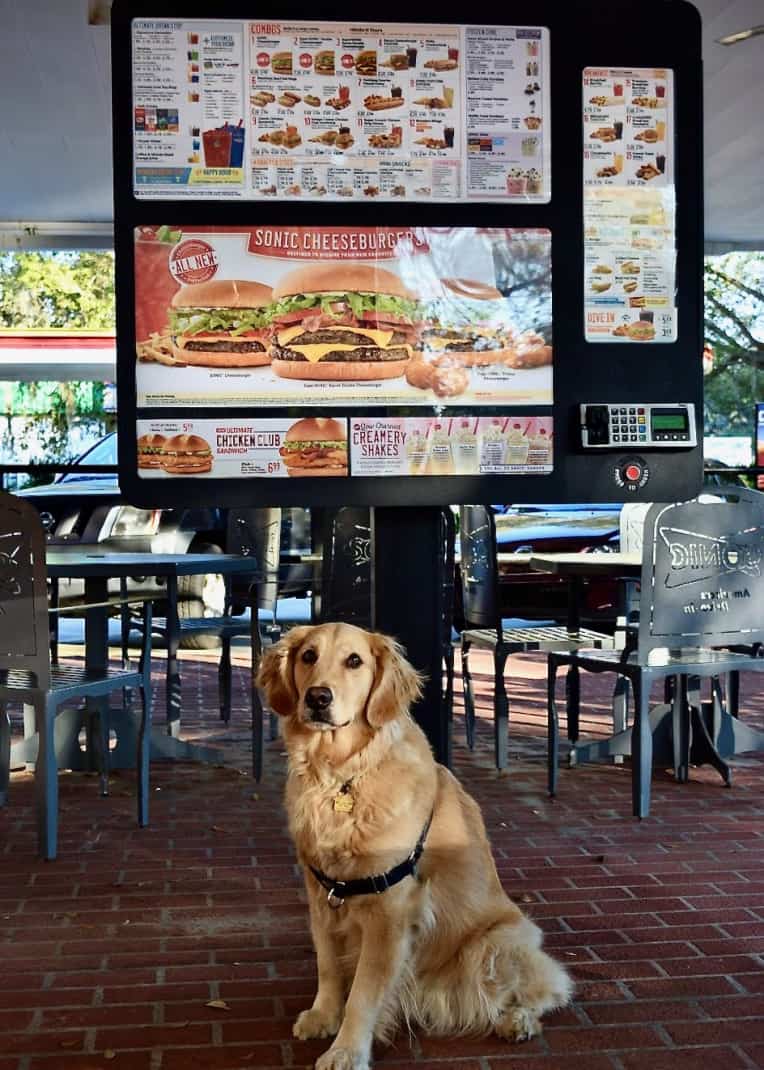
(633, 473)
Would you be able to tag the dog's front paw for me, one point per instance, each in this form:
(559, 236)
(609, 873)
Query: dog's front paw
(343, 1059)
(316, 1022)
(518, 1023)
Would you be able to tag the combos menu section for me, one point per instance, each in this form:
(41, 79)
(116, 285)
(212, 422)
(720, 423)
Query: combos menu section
(340, 111)
(629, 205)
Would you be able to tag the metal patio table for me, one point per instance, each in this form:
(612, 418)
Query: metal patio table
(96, 569)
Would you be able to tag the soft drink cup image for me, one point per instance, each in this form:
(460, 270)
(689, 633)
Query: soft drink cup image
(412, 54)
(660, 162)
(154, 285)
(453, 54)
(237, 146)
(448, 135)
(217, 148)
(660, 91)
(618, 89)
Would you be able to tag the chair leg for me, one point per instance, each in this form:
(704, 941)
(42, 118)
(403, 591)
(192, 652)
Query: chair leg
(500, 710)
(733, 694)
(680, 728)
(46, 779)
(641, 750)
(469, 698)
(143, 755)
(573, 702)
(258, 732)
(553, 727)
(5, 754)
(224, 680)
(273, 726)
(104, 753)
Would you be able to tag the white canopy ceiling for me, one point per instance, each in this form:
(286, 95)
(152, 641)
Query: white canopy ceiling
(55, 122)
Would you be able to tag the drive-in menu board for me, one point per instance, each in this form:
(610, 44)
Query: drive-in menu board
(629, 205)
(269, 109)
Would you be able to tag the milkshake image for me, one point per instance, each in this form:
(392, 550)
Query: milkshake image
(465, 451)
(441, 457)
(417, 453)
(540, 450)
(517, 446)
(492, 446)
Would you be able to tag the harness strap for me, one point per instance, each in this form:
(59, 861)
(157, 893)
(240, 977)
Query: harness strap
(339, 891)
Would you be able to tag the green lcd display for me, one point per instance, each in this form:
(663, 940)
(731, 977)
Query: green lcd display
(669, 421)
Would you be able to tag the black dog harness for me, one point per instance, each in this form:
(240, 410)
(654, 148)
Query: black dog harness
(339, 891)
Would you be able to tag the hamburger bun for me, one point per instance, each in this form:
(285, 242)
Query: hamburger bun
(328, 460)
(349, 370)
(209, 358)
(187, 455)
(473, 290)
(150, 449)
(223, 293)
(340, 278)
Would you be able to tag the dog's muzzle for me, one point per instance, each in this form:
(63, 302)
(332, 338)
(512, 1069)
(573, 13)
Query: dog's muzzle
(318, 702)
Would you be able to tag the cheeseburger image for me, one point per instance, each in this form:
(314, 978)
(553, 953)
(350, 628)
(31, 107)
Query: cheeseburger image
(315, 447)
(342, 321)
(324, 62)
(222, 324)
(151, 450)
(468, 318)
(186, 455)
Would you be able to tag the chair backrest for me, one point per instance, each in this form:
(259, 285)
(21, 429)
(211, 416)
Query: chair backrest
(24, 636)
(256, 533)
(703, 572)
(631, 524)
(479, 567)
(346, 566)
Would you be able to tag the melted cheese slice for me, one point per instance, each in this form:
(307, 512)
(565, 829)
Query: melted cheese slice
(381, 339)
(316, 352)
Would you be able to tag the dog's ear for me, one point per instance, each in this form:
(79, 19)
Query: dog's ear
(396, 682)
(276, 673)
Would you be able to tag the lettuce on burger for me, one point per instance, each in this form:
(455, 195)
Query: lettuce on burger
(342, 321)
(468, 318)
(223, 323)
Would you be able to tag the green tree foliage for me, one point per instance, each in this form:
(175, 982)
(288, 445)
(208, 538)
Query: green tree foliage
(54, 291)
(734, 326)
(71, 290)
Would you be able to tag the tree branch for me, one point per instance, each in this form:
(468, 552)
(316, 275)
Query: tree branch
(735, 284)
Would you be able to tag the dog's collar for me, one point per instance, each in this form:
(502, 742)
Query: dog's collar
(339, 891)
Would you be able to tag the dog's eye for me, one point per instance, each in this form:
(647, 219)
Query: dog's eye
(353, 661)
(310, 657)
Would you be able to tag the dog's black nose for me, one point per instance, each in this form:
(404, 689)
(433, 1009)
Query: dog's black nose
(318, 699)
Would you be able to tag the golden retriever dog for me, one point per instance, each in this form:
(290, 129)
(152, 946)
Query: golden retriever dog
(437, 944)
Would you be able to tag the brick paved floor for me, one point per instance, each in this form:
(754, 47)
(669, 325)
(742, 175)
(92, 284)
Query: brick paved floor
(113, 955)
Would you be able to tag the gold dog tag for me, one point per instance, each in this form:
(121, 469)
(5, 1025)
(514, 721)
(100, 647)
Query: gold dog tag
(344, 802)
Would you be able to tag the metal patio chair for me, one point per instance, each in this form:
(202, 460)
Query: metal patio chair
(26, 674)
(702, 588)
(485, 629)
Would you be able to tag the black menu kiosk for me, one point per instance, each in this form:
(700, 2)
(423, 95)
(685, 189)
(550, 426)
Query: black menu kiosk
(408, 263)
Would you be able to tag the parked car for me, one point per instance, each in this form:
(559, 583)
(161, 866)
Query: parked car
(569, 528)
(87, 508)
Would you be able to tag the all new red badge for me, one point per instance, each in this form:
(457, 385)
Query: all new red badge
(193, 261)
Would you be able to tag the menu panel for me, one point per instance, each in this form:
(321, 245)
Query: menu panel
(340, 111)
(274, 316)
(629, 205)
(329, 446)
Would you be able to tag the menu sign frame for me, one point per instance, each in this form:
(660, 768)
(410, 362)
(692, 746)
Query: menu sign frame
(382, 451)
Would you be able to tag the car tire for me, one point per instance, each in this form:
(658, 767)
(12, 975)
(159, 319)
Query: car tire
(201, 596)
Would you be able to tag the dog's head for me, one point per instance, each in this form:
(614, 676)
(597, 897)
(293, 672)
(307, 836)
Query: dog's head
(332, 676)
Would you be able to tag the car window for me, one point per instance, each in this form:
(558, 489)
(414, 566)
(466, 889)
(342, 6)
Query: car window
(104, 452)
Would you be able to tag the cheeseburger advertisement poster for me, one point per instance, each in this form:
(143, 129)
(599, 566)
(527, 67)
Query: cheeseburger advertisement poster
(339, 316)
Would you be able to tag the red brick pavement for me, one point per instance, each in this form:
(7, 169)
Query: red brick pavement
(112, 954)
